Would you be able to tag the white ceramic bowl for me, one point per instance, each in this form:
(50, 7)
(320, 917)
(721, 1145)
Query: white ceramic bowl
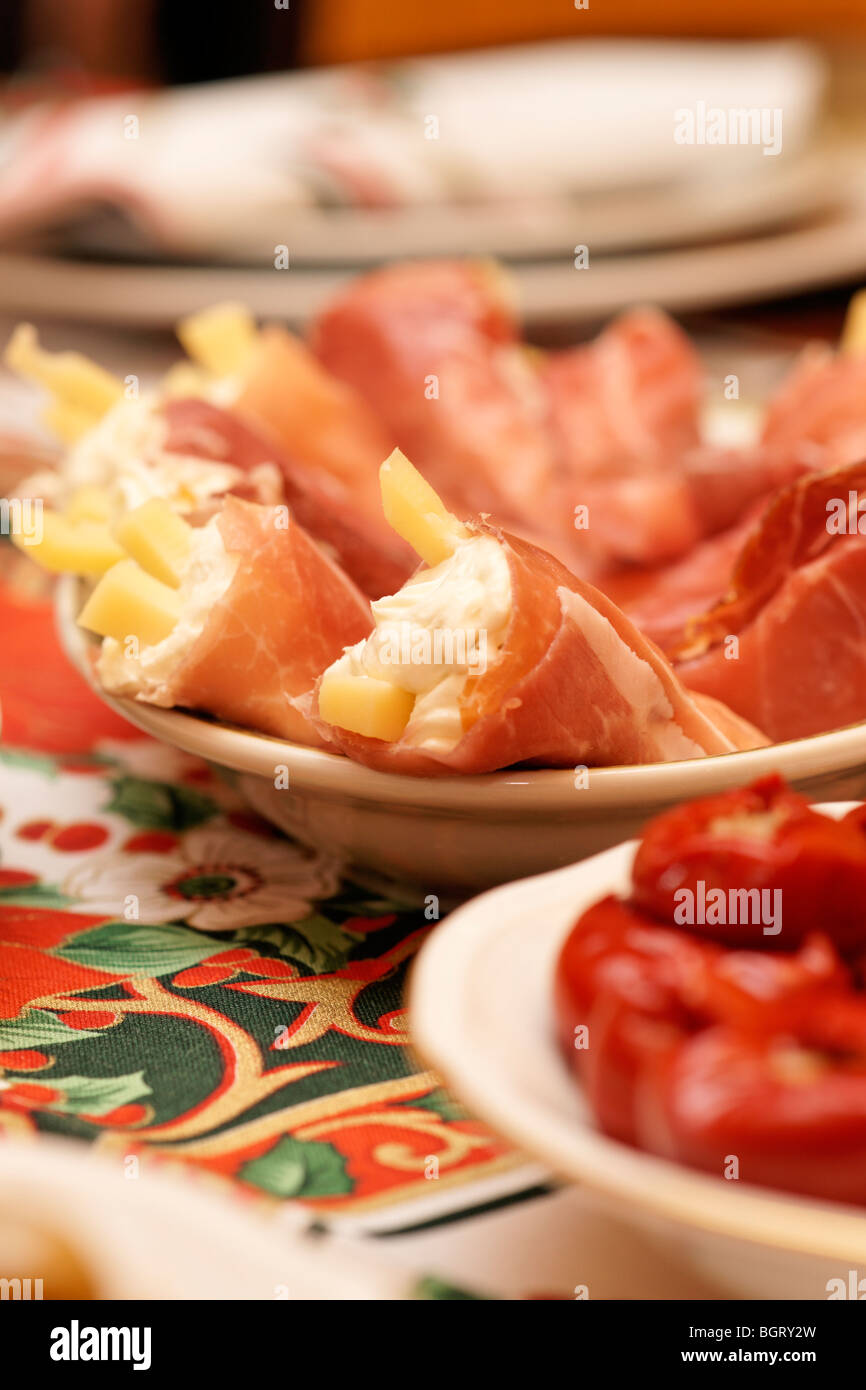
(481, 1014)
(453, 834)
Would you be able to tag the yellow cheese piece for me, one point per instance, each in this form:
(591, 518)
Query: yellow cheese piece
(127, 602)
(68, 423)
(72, 547)
(89, 503)
(853, 338)
(220, 339)
(364, 705)
(155, 536)
(186, 379)
(76, 381)
(416, 512)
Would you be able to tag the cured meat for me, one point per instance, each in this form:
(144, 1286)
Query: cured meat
(796, 606)
(319, 422)
(730, 491)
(574, 683)
(433, 349)
(820, 409)
(369, 552)
(594, 452)
(662, 601)
(628, 402)
(287, 612)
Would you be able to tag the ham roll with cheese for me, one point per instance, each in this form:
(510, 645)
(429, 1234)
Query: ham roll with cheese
(784, 647)
(234, 618)
(494, 654)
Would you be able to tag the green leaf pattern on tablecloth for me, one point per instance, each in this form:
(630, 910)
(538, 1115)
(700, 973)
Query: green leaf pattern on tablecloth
(33, 895)
(97, 1095)
(39, 1028)
(317, 942)
(133, 949)
(106, 1013)
(159, 805)
(299, 1168)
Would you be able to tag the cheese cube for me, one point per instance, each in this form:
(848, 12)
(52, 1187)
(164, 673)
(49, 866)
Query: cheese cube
(186, 379)
(127, 602)
(66, 422)
(89, 503)
(72, 378)
(364, 705)
(72, 547)
(853, 338)
(220, 338)
(155, 536)
(416, 512)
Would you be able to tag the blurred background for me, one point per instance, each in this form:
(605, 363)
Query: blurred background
(155, 156)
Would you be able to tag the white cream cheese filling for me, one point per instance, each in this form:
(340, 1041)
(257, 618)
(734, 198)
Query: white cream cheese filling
(126, 455)
(142, 671)
(446, 624)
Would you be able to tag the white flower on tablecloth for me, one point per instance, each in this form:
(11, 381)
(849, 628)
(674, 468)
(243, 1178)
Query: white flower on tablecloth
(217, 879)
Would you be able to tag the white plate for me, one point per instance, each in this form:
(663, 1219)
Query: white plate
(481, 1013)
(160, 1234)
(827, 250)
(625, 218)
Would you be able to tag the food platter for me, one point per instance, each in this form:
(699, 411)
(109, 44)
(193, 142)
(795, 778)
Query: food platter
(491, 963)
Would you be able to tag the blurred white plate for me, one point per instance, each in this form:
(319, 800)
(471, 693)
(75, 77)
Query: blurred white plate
(480, 1012)
(609, 220)
(158, 1234)
(829, 250)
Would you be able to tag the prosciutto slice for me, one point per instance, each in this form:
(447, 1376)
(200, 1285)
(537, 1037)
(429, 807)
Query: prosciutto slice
(820, 409)
(321, 423)
(533, 439)
(574, 684)
(434, 351)
(369, 552)
(661, 601)
(625, 413)
(286, 615)
(627, 402)
(796, 605)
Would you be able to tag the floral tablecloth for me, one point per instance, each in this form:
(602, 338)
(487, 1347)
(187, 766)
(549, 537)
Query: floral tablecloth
(178, 980)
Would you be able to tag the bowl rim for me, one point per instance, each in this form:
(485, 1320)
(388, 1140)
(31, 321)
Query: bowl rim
(661, 1189)
(506, 795)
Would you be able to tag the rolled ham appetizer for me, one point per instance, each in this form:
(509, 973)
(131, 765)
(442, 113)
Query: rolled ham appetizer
(784, 646)
(209, 430)
(494, 654)
(820, 408)
(234, 618)
(625, 414)
(433, 349)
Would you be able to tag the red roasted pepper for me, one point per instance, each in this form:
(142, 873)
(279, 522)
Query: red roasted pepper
(707, 1054)
(762, 857)
(791, 1110)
